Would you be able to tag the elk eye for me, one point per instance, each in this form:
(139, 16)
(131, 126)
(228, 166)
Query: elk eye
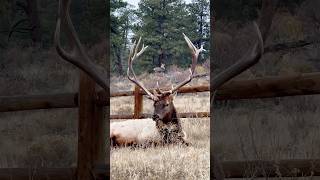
(166, 104)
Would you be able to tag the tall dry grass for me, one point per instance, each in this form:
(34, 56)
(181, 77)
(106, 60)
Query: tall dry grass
(169, 162)
(285, 128)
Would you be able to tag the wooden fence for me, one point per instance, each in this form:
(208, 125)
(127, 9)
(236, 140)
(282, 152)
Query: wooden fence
(90, 102)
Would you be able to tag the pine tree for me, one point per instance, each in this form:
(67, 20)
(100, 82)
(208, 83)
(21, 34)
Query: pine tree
(161, 24)
(121, 18)
(200, 14)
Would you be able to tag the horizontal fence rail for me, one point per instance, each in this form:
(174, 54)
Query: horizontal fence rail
(302, 84)
(69, 100)
(180, 115)
(267, 87)
(186, 89)
(281, 168)
(32, 102)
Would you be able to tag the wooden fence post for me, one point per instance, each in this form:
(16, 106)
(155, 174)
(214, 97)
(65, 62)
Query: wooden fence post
(138, 102)
(91, 130)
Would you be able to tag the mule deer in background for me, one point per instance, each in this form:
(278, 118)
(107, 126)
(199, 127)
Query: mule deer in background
(165, 126)
(160, 69)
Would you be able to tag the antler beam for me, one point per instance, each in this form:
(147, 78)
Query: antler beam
(77, 56)
(249, 59)
(134, 54)
(195, 54)
(157, 93)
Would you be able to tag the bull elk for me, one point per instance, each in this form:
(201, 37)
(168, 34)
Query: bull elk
(165, 126)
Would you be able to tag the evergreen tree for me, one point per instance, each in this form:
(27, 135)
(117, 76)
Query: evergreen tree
(121, 19)
(161, 24)
(200, 15)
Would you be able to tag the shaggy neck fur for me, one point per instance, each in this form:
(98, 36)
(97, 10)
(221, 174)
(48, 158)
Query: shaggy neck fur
(170, 128)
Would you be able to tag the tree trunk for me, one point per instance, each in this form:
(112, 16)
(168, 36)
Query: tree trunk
(118, 63)
(201, 23)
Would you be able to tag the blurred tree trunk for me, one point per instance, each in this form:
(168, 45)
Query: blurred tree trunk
(117, 55)
(32, 11)
(161, 21)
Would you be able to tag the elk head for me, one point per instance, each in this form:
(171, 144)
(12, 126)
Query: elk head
(164, 109)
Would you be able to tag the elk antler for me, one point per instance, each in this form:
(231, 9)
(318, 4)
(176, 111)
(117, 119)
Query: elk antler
(77, 56)
(195, 53)
(134, 54)
(248, 60)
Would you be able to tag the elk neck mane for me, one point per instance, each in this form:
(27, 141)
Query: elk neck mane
(170, 128)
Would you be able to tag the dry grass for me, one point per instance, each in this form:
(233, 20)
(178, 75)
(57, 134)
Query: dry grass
(43, 138)
(264, 129)
(170, 162)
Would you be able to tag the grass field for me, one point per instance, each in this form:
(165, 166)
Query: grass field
(170, 162)
(277, 128)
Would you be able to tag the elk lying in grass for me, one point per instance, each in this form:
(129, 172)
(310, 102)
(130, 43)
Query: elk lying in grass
(165, 126)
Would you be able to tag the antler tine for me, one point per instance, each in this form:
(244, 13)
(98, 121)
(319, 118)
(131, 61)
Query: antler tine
(134, 54)
(132, 49)
(195, 53)
(249, 59)
(136, 48)
(77, 56)
(158, 88)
